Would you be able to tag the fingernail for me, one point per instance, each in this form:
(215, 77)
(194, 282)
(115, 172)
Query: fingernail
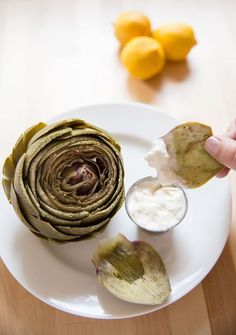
(212, 145)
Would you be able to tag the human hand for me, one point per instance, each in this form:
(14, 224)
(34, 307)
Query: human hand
(223, 149)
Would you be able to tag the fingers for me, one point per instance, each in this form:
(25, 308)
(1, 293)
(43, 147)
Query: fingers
(222, 149)
(223, 173)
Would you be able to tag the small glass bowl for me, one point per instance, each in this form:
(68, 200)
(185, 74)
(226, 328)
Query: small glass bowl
(156, 180)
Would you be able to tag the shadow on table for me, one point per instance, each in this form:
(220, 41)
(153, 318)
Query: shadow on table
(147, 90)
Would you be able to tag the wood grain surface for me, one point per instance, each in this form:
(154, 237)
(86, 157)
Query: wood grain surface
(56, 55)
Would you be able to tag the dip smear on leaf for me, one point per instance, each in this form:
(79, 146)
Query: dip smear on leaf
(191, 163)
(180, 157)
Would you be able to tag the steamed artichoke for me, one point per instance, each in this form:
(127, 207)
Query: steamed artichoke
(65, 180)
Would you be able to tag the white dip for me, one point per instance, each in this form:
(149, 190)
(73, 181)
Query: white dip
(158, 158)
(154, 207)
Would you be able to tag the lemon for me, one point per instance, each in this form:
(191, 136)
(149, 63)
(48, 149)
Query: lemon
(131, 24)
(143, 57)
(177, 40)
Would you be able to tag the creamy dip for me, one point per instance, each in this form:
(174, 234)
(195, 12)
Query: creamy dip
(158, 158)
(154, 207)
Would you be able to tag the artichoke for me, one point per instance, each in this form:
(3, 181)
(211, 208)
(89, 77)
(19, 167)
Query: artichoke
(131, 270)
(65, 180)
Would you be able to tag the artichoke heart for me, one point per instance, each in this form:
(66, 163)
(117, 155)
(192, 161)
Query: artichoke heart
(132, 271)
(65, 180)
(190, 162)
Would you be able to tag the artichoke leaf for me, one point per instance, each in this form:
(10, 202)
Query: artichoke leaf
(8, 170)
(18, 211)
(82, 230)
(191, 163)
(131, 271)
(101, 136)
(17, 151)
(50, 231)
(105, 212)
(22, 142)
(6, 184)
(76, 217)
(61, 125)
(24, 200)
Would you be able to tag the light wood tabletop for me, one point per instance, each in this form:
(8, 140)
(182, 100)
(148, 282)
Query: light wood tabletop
(57, 55)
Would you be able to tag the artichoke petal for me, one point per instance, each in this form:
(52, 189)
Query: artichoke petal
(6, 184)
(82, 230)
(17, 151)
(131, 271)
(191, 163)
(55, 126)
(15, 204)
(22, 143)
(8, 168)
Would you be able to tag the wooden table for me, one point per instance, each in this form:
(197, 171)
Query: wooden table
(56, 55)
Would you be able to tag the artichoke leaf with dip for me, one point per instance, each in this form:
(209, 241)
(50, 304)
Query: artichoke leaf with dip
(132, 271)
(183, 158)
(65, 180)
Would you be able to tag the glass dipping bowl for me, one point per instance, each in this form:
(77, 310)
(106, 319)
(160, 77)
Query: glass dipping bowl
(155, 181)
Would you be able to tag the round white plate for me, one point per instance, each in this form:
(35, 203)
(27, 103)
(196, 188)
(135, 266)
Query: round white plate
(63, 276)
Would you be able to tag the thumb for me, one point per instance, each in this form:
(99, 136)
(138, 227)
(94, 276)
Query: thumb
(223, 149)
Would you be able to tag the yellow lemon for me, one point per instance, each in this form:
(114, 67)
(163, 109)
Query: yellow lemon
(143, 57)
(131, 24)
(177, 40)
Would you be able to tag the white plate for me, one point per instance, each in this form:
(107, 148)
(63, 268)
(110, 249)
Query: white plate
(63, 275)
